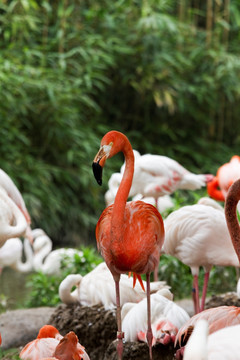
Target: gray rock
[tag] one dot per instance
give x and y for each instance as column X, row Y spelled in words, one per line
column 18, row 327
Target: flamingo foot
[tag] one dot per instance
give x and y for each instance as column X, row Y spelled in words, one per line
column 149, row 341
column 179, row 353
column 120, row 337
column 167, row 338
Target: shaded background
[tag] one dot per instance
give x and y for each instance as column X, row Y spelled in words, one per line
column 166, row 73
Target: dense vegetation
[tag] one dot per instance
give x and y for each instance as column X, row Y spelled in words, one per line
column 166, row 73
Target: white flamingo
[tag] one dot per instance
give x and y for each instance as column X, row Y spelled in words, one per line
column 221, row 345
column 45, row 260
column 166, row 318
column 97, row 287
column 164, row 202
column 198, row 236
column 157, row 175
column 11, row 255
column 12, row 191
column 7, row 184
column 12, row 221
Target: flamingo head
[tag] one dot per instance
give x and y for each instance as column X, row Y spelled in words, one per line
column 112, row 143
column 48, row 331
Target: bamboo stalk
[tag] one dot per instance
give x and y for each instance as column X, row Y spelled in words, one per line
column 181, row 10
column 226, row 18
column 62, row 27
column 209, row 22
column 196, row 7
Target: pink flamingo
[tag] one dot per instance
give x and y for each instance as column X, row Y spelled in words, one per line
column 157, row 175
column 222, row 344
column 50, row 344
column 129, row 235
column 221, row 316
column 198, row 236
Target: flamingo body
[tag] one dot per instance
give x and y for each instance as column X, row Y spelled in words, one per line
column 50, row 344
column 45, row 260
column 97, row 288
column 70, row 349
column 198, row 236
column 217, row 318
column 134, row 253
column 226, row 175
column 12, row 191
column 166, row 318
column 157, row 175
column 43, row 346
column 129, row 235
column 12, row 220
column 221, row 345
column 11, row 255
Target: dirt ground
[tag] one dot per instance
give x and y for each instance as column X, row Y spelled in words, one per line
column 96, row 330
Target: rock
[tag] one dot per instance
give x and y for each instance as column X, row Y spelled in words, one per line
column 18, row 327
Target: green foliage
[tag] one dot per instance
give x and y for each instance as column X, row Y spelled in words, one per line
column 179, row 277
column 70, row 71
column 44, row 288
column 11, row 354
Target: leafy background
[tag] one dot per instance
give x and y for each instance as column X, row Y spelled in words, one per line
column 166, row 73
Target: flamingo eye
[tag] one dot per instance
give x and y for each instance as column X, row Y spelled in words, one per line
column 107, row 149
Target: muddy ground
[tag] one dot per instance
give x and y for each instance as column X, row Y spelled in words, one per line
column 96, row 330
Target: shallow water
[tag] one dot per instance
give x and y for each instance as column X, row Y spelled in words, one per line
column 13, row 291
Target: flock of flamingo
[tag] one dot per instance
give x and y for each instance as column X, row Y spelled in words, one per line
column 131, row 236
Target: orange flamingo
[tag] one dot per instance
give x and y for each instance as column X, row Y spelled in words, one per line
column 50, row 344
column 129, row 235
column 226, row 175
column 43, row 346
column 69, row 348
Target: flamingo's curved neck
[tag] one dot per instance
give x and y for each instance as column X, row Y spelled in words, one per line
column 65, row 290
column 233, row 197
column 38, row 260
column 28, row 264
column 123, row 191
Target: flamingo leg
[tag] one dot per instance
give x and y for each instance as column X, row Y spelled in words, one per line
column 155, row 273
column 149, row 330
column 120, row 334
column 195, row 294
column 204, row 292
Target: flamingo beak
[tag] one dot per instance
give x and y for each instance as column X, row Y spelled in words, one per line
column 99, row 162
column 97, row 171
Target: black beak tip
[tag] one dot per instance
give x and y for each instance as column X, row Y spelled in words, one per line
column 97, row 171
column 99, row 182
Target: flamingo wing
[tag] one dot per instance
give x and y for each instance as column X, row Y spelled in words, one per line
column 38, row 349
column 217, row 318
column 143, row 235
